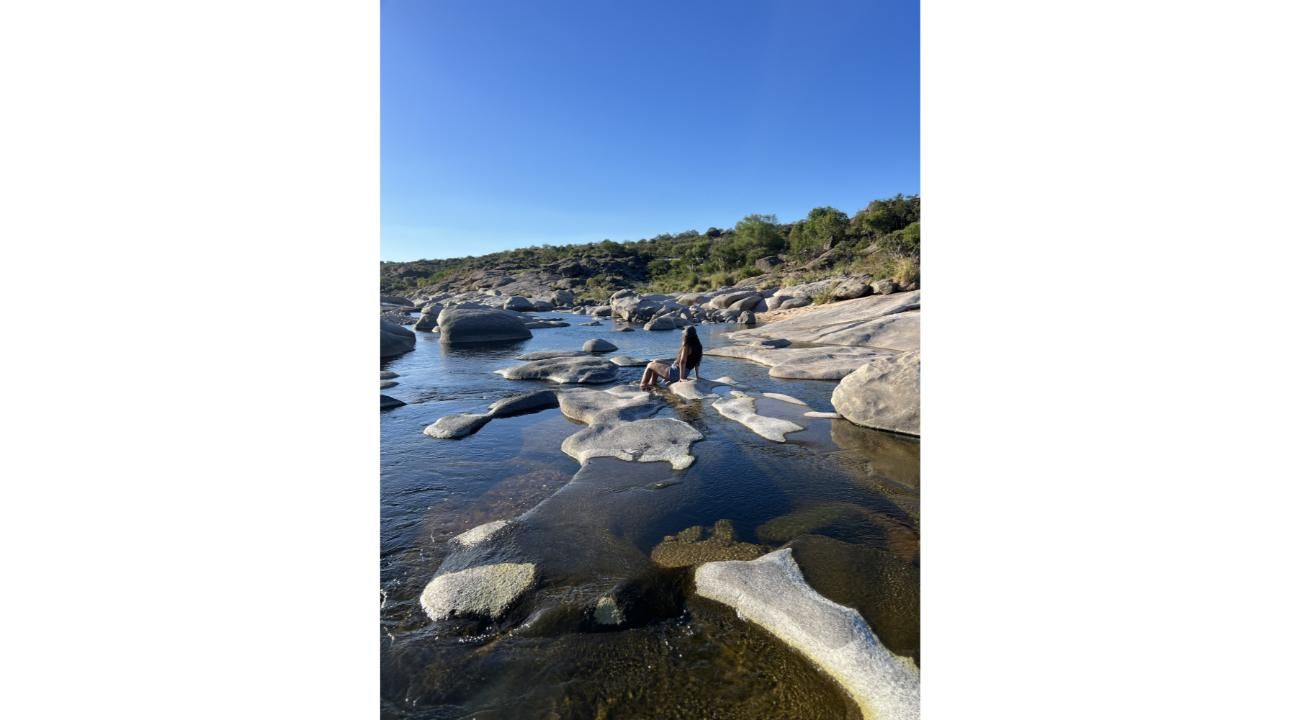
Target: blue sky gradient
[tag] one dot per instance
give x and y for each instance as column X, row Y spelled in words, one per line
column 508, row 124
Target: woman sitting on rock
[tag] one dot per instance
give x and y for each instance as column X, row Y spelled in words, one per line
column 688, row 359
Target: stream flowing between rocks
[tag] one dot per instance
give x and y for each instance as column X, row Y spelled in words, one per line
column 845, row 499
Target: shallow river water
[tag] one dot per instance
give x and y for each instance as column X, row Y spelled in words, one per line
column 844, row 498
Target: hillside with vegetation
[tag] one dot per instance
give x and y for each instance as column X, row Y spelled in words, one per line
column 882, row 240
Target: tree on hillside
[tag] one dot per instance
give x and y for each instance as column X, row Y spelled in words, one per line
column 759, row 234
column 824, row 227
column 885, row 216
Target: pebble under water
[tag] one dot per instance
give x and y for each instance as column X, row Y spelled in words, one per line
column 844, row 498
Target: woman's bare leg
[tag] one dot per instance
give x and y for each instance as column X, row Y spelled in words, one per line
column 653, row 372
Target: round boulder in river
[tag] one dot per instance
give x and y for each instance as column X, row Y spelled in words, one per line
column 486, row 590
column 597, row 345
column 394, row 339
column 476, row 324
column 885, row 394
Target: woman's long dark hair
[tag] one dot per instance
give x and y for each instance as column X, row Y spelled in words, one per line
column 694, row 350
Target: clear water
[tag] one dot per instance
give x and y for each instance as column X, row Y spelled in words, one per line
column 845, row 498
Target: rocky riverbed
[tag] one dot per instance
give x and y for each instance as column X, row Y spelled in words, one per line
column 558, row 543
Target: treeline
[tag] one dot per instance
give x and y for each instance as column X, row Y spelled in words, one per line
column 883, row 240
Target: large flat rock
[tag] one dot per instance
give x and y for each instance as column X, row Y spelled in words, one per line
column 620, row 426
column 772, row 593
column 802, row 363
column 569, row 370
column 850, row 323
column 885, row 394
column 741, row 408
column 650, row 440
column 619, row 403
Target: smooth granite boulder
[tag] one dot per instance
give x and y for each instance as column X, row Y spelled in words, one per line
column 725, row 300
column 885, row 394
column 772, row 593
column 386, row 402
column 884, row 286
column 394, row 339
column 627, row 361
column 663, row 322
column 457, row 426
column 587, row 369
column 830, row 362
column 597, row 345
column 485, row 591
column 849, row 323
column 518, row 304
column 461, row 324
column 549, row 354
column 520, row 404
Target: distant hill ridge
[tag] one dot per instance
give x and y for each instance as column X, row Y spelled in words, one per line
column 883, row 240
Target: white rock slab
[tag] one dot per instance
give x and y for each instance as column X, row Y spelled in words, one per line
column 481, row 534
column 486, row 590
column 772, row 593
column 740, row 408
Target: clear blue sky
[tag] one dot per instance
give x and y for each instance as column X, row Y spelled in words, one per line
column 507, row 124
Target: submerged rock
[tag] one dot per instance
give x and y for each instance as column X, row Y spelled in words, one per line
column 626, row 361
column 457, row 426
column 519, row 404
column 885, row 393
column 785, row 398
column 884, row 588
column 481, row 534
column 741, row 409
column 551, row 354
column 689, row 547
column 772, row 593
column 607, row 611
column 486, row 590
column 585, row 369
column 821, row 414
